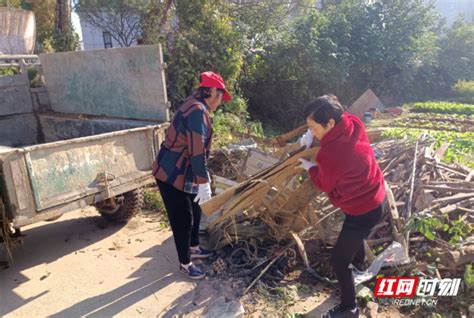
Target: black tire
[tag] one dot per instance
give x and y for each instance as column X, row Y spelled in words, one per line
column 127, row 205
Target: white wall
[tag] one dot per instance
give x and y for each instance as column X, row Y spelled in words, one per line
column 92, row 38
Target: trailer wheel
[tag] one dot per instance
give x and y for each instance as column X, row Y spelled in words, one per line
column 127, row 205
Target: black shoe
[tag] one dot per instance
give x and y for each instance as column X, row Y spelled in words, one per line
column 341, row 312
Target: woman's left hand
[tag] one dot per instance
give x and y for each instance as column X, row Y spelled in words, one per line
column 306, row 164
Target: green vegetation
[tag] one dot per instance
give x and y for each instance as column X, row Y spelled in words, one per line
column 8, row 71
column 432, row 227
column 464, row 91
column 442, row 108
column 435, row 121
column 153, row 206
column 461, row 145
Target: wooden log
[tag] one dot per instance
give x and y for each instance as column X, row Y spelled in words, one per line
column 447, row 168
column 453, row 198
column 456, row 258
column 412, row 186
column 460, row 184
column 453, row 207
column 301, row 249
column 440, row 188
column 441, row 150
column 281, row 140
column 392, row 204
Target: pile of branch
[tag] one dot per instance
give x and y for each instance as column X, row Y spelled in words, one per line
column 226, row 163
column 281, row 207
column 423, row 186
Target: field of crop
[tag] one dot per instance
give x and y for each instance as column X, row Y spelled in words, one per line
column 442, row 108
column 444, row 122
column 461, row 145
column 435, row 121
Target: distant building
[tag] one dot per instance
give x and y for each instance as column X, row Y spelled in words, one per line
column 94, row 38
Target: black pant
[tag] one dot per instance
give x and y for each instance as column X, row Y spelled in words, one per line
column 350, row 249
column 184, row 216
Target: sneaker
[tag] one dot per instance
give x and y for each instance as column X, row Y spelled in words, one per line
column 341, row 312
column 192, row 271
column 201, row 253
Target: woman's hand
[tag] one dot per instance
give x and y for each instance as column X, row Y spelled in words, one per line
column 307, row 139
column 204, row 193
column 305, row 164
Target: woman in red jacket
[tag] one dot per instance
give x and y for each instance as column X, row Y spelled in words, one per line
column 347, row 171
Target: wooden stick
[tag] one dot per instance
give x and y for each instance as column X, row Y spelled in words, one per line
column 301, row 248
column 463, row 184
column 453, row 198
column 453, row 207
column 380, row 240
column 447, row 168
column 412, row 184
column 265, row 269
column 376, row 228
column 282, row 139
column 447, row 189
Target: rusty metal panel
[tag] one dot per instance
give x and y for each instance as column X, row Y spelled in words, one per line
column 18, row 130
column 17, row 31
column 15, row 95
column 17, row 184
column 121, row 82
column 65, row 171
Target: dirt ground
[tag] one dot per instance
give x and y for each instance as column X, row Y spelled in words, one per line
column 79, row 265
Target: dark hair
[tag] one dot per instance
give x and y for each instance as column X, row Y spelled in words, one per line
column 323, row 109
column 205, row 92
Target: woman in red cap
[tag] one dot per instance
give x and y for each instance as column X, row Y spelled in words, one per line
column 181, row 168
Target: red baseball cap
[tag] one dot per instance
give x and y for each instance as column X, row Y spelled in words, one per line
column 211, row 79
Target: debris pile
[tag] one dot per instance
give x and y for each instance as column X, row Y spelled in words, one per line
column 264, row 219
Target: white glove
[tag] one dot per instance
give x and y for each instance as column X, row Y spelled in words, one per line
column 307, row 139
column 306, row 164
column 204, row 193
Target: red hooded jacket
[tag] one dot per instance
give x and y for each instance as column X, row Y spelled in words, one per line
column 347, row 170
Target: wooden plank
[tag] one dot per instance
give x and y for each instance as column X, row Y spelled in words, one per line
column 256, row 161
column 215, row 203
column 17, row 185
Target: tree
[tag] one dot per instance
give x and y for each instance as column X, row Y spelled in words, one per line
column 65, row 38
column 155, row 18
column 120, row 18
column 204, row 40
column 45, row 13
column 344, row 49
column 456, row 57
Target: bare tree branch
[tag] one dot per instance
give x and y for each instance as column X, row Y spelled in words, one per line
column 120, row 20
